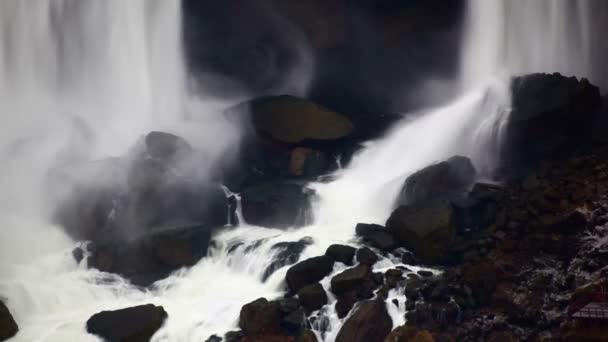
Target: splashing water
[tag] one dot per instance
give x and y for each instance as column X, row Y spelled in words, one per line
column 114, row 68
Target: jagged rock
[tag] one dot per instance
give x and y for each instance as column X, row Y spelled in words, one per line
column 376, row 235
column 260, row 317
column 366, row 256
column 8, row 326
column 152, row 256
column 426, row 228
column 135, row 324
column 277, row 204
column 289, row 254
column 341, row 253
column 446, row 180
column 550, row 113
column 369, row 323
column 312, row 297
column 308, row 272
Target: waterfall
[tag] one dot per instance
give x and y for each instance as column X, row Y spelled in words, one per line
column 82, row 79
column 521, row 36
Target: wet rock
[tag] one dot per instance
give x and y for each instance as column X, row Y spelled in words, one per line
column 564, row 223
column 351, row 279
column 550, row 114
column 294, row 322
column 308, row 272
column 289, row 253
column 312, row 297
column 409, row 334
column 307, row 336
column 290, row 119
column 214, row 338
column 394, row 277
column 376, row 235
column 260, row 317
column 369, row 323
column 306, row 162
column 151, row 256
column 234, row 336
column 341, row 253
column 425, row 274
column 426, row 228
column 345, row 303
column 134, row 324
column 166, row 147
column 277, row 204
column 366, row 256
column 446, row 180
column 8, row 326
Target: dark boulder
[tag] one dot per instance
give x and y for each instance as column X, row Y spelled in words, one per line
column 446, row 180
column 288, row 254
column 277, row 204
column 308, row 163
column 369, row 323
column 166, row 147
column 366, row 256
column 352, row 279
column 291, row 120
column 308, row 272
column 550, row 113
column 260, row 317
column 409, row 334
column 426, row 228
column 312, row 297
column 341, row 253
column 152, row 256
column 135, row 324
column 376, row 235
column 8, row 326
column 346, row 301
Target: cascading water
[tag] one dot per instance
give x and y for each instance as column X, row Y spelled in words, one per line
column 521, row 36
column 102, row 73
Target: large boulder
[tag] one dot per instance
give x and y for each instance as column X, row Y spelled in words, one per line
column 288, row 253
column 448, row 179
column 376, row 235
column 312, row 297
column 426, row 228
column 135, row 324
column 307, row 272
column 290, row 119
column 369, row 323
column 279, row 204
column 341, row 253
column 8, row 326
column 550, row 113
column 152, row 187
column 152, row 256
column 260, row 317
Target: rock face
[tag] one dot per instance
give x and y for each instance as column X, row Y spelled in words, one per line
column 136, row 324
column 8, row 326
column 445, row 180
column 151, row 256
column 277, row 204
column 291, row 120
column 307, row 272
column 426, row 228
column 369, row 323
column 550, row 112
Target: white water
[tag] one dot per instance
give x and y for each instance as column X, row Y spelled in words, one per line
column 117, row 68
column 523, row 36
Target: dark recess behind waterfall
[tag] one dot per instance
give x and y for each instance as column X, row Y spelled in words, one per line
column 367, row 53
